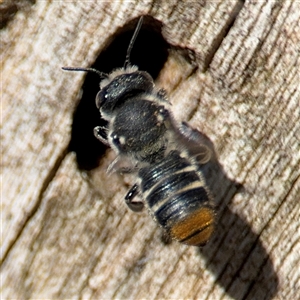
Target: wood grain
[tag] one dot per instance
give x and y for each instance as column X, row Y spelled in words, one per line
column 231, row 71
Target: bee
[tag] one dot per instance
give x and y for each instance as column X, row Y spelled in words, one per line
column 168, row 158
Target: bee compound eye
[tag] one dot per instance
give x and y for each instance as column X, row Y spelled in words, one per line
column 98, row 100
column 101, row 98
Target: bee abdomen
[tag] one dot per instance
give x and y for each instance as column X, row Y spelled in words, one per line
column 153, row 174
column 179, row 199
column 187, row 216
column 194, row 229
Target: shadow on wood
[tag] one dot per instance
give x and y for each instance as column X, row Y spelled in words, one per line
column 235, row 255
column 244, row 260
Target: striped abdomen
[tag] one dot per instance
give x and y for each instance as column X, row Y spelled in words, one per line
column 178, row 199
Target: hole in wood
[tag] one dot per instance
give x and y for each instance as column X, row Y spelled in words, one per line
column 149, row 53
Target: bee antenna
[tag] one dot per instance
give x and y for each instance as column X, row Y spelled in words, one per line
column 135, row 34
column 101, row 74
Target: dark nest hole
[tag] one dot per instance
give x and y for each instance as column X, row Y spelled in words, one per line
column 149, row 53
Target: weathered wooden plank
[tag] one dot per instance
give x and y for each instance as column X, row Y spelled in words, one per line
column 68, row 234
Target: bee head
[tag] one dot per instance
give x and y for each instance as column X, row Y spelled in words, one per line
column 120, row 86
column 121, row 83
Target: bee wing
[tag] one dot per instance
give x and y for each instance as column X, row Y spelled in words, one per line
column 197, row 143
column 122, row 165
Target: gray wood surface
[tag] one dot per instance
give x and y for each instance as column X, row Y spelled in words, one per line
column 232, row 72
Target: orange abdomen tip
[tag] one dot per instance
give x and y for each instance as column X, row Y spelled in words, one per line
column 196, row 228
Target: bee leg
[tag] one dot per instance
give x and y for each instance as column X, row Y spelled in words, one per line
column 100, row 134
column 162, row 95
column 134, row 206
